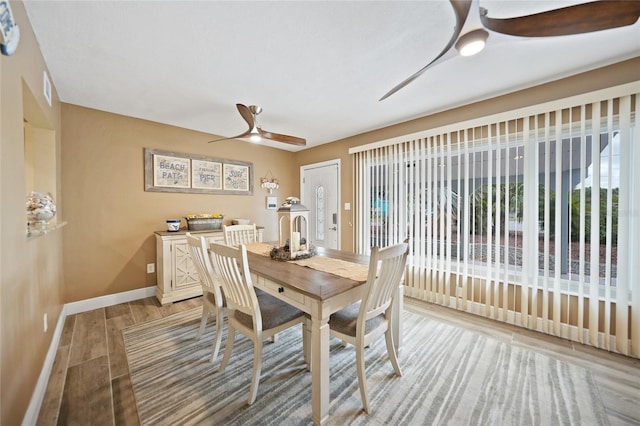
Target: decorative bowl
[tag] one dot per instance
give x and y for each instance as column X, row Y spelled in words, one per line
column 40, row 207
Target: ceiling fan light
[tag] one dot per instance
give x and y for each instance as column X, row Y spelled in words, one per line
column 472, row 42
column 255, row 137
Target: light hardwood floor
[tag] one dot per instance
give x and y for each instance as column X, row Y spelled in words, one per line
column 90, row 382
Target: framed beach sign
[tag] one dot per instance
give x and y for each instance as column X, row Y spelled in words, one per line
column 171, row 172
column 236, row 177
column 206, row 174
column 167, row 171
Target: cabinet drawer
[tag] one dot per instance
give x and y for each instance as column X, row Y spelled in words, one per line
column 218, row 239
column 281, row 292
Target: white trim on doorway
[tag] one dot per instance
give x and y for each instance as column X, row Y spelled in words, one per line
column 334, row 162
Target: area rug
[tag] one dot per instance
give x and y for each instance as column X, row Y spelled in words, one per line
column 451, row 376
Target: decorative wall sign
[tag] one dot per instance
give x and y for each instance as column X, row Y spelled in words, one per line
column 206, row 174
column 171, row 172
column 9, row 30
column 166, row 171
column 236, row 177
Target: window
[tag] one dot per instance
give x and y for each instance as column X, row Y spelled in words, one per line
column 524, row 219
column 320, row 213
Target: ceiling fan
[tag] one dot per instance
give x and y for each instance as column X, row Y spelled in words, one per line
column 255, row 133
column 470, row 31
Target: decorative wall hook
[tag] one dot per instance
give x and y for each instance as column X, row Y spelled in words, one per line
column 269, row 182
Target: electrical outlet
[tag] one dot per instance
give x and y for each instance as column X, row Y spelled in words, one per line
column 46, row 323
column 151, row 268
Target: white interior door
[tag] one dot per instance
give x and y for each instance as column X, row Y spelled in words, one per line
column 320, row 192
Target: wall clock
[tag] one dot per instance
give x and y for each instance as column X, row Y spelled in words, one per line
column 9, row 30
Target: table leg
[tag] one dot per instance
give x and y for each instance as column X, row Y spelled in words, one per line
column 306, row 342
column 320, row 369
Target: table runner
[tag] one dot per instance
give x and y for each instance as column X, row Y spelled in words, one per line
column 262, row 249
column 341, row 268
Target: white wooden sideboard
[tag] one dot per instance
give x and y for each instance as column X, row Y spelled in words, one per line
column 177, row 276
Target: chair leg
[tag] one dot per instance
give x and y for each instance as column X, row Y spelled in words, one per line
column 391, row 350
column 203, row 322
column 257, row 368
column 218, row 339
column 231, row 337
column 362, row 380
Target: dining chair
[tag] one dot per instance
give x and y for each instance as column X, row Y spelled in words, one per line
column 235, row 235
column 257, row 315
column 363, row 322
column 213, row 301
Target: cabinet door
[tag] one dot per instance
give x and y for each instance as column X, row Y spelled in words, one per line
column 184, row 269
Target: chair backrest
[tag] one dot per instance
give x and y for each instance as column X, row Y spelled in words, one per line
column 234, row 235
column 233, row 268
column 208, row 276
column 386, row 267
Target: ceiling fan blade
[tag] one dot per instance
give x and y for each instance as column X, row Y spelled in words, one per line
column 244, row 135
column 461, row 9
column 576, row 19
column 282, row 138
column 248, row 116
column 443, row 56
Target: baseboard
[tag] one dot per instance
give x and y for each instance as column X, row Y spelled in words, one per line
column 31, row 416
column 108, row 300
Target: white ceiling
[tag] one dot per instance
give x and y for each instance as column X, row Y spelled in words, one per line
column 317, row 68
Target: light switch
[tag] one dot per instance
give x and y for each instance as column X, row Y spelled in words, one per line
column 347, row 206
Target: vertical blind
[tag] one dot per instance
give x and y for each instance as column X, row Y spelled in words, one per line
column 530, row 217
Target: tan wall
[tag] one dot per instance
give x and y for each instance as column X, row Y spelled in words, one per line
column 621, row 73
column 30, row 268
column 109, row 237
column 111, row 219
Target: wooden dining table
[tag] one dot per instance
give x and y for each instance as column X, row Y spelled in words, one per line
column 319, row 294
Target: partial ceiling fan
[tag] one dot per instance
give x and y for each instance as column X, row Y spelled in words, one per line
column 255, row 133
column 472, row 22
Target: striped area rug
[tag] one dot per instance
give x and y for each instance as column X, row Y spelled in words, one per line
column 451, row 376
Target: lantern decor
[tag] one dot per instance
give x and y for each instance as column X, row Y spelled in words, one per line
column 269, row 182
column 293, row 225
